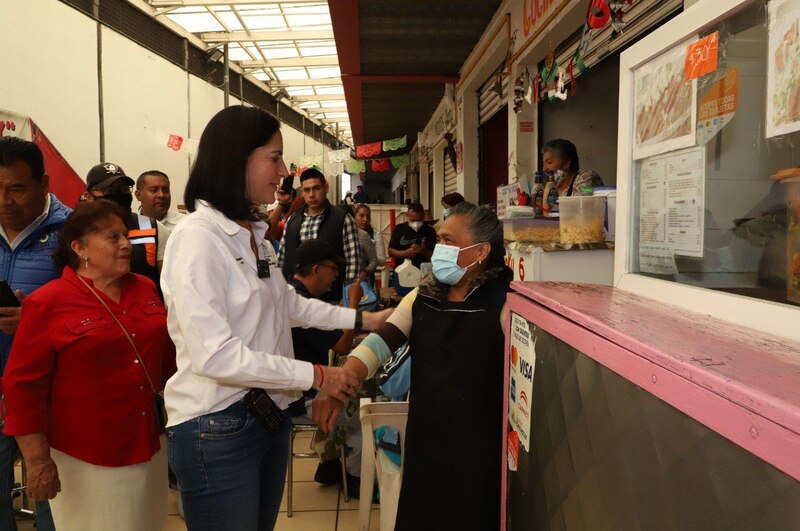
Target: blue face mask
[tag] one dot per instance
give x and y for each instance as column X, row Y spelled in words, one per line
column 445, row 213
column 445, row 263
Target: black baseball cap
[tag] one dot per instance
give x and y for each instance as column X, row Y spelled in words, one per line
column 104, row 175
column 312, row 252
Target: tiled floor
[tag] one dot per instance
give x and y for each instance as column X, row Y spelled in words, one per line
column 315, row 507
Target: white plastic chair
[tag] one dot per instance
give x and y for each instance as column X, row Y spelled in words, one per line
column 374, row 415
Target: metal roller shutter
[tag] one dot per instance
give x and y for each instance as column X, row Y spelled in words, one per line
column 639, row 18
column 489, row 101
column 450, row 176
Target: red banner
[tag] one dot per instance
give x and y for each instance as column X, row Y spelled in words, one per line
column 369, row 150
column 64, row 182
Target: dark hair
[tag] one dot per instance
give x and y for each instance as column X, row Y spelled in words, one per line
column 452, row 199
column 142, row 178
column 485, row 227
column 416, row 207
column 219, row 172
column 13, row 149
column 363, row 206
column 564, row 150
column 312, row 173
column 87, row 218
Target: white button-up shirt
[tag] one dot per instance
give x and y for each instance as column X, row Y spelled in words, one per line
column 232, row 330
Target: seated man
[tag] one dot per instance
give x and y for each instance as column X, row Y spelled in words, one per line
column 317, row 266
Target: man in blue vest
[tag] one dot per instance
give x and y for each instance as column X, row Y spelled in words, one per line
column 30, row 221
column 320, row 219
column 148, row 236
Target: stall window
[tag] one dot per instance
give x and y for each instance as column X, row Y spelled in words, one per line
column 715, row 139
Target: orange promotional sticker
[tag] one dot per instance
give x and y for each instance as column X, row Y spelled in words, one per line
column 718, row 106
column 702, row 56
column 513, row 451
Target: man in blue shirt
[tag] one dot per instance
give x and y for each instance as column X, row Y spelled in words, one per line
column 30, row 221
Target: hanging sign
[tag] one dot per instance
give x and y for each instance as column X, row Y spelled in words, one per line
column 702, row 56
column 718, row 106
column 534, row 13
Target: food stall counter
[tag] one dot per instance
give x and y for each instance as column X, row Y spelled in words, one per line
column 624, row 412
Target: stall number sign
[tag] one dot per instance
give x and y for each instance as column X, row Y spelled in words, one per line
column 517, row 264
column 701, row 56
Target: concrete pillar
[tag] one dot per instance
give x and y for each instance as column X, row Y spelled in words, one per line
column 468, row 124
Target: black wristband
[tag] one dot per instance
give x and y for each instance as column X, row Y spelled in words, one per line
column 359, row 323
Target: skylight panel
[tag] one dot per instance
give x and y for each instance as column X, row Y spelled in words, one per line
column 324, row 71
column 259, row 23
column 196, row 22
column 290, row 73
column 330, row 90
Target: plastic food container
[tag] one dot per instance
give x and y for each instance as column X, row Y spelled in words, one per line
column 791, row 178
column 582, row 218
column 531, row 230
column 514, row 212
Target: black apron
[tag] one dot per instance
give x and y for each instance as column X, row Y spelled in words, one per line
column 452, row 455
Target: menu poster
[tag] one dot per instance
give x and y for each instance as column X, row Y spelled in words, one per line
column 783, row 68
column 665, row 105
column 672, row 209
column 520, row 386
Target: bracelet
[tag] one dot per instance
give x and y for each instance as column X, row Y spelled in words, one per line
column 359, row 322
column 321, row 374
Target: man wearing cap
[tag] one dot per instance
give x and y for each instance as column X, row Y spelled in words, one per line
column 317, row 267
column 148, row 236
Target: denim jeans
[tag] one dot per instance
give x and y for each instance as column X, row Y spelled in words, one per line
column 8, row 454
column 231, row 471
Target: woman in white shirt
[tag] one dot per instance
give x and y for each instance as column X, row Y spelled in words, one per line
column 230, row 313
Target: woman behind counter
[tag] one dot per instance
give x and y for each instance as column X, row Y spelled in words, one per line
column 562, row 155
column 451, row 474
column 79, row 396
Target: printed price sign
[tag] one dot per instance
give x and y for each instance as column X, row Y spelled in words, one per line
column 701, row 56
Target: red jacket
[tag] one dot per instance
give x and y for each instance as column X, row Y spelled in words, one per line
column 73, row 374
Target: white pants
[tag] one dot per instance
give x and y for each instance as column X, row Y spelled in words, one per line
column 100, row 498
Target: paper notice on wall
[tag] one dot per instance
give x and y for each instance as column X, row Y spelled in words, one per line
column 523, row 359
column 672, row 209
column 686, row 201
column 657, row 259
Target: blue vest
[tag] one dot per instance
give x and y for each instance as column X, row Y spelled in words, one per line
column 31, row 264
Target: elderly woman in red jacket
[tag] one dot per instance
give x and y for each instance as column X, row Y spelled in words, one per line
column 89, row 357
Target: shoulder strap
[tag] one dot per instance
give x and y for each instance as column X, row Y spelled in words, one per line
column 127, row 335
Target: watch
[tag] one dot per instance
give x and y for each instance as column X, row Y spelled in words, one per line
column 359, row 322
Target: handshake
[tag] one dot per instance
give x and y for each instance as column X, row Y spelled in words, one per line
column 337, row 384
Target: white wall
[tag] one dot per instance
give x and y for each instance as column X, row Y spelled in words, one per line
column 49, row 68
column 50, row 73
column 136, row 133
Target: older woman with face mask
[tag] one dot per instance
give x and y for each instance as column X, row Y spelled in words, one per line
column 90, row 355
column 561, row 156
column 453, row 324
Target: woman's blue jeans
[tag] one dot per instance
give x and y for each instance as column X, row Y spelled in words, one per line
column 231, row 471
